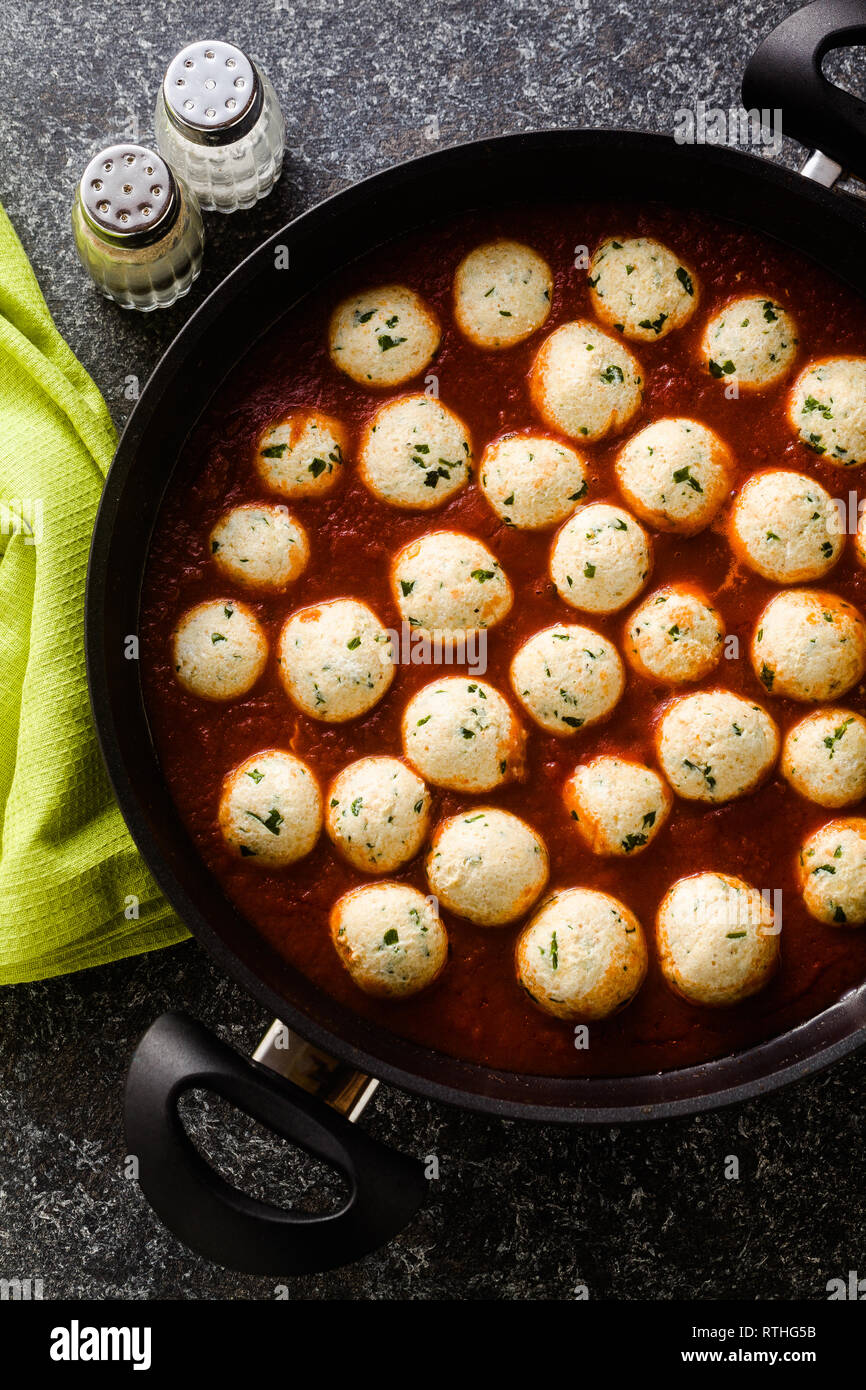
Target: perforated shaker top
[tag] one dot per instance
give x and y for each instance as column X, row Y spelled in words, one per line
column 128, row 193
column 212, row 92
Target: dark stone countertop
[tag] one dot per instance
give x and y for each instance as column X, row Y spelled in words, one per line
column 519, row 1212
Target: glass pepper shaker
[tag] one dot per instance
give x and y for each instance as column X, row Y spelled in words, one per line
column 218, row 123
column 138, row 229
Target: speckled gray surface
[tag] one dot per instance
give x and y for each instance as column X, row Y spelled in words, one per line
column 518, row 1212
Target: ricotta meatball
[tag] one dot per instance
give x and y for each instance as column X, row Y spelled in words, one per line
column 260, row 546
column 583, row 955
column 415, row 453
column 501, row 293
column 600, row 559
column 567, row 677
column 271, row 809
column 674, row 636
column 383, row 336
column 487, row 865
column 390, row 938
column 715, row 746
column 335, row 659
column 809, row 645
column 824, row 757
column 219, row 649
column 641, row 288
column 585, row 383
column 860, row 541
column 717, row 939
column 752, row 340
column 786, row 527
column 377, row 814
column 531, row 481
column 448, row 582
column 827, row 409
column 832, row 873
column 462, row 734
column 675, row 474
column 302, row 455
column 618, row 806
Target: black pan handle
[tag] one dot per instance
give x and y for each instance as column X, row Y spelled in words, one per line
column 176, row 1055
column 785, row 74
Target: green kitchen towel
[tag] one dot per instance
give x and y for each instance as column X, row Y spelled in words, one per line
column 73, row 890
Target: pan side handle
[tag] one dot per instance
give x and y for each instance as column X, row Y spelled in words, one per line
column 785, row 74
column 177, row 1055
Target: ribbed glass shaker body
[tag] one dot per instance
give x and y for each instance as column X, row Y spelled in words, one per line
column 218, row 124
column 138, row 230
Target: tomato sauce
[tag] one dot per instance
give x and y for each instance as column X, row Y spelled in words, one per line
column 476, row 1010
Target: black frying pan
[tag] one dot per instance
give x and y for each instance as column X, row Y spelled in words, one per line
column 177, row 1055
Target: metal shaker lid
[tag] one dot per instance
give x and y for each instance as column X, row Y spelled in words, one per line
column 128, row 194
column 212, row 92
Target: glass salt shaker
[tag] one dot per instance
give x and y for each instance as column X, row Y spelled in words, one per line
column 218, row 123
column 138, row 229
